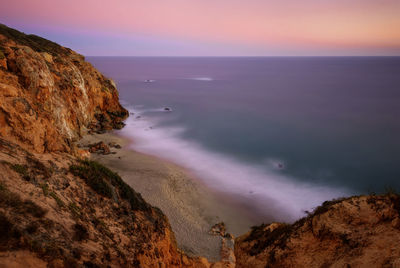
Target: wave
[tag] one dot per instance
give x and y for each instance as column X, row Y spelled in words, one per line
column 202, row 78
column 272, row 194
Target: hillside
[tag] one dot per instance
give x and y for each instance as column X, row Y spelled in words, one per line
column 57, row 210
column 362, row 231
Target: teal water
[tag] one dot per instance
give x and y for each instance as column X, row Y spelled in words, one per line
column 326, row 125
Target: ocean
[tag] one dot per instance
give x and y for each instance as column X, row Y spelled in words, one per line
column 281, row 133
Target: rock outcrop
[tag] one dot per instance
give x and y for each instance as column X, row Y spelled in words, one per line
column 55, row 209
column 359, row 231
column 50, row 96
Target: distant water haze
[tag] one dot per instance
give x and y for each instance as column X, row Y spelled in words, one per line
column 282, row 134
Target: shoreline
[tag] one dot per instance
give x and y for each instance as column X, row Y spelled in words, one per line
column 191, row 207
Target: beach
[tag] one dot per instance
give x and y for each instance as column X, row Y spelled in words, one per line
column 191, row 208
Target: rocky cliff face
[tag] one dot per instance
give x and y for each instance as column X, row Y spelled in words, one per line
column 60, row 212
column 352, row 232
column 50, row 96
column 57, row 210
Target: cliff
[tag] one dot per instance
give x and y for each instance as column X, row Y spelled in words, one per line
column 58, row 210
column 361, row 231
column 55, row 209
column 50, row 96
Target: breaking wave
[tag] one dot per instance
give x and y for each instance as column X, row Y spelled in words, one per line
column 262, row 187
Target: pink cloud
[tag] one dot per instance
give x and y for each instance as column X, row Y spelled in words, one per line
column 287, row 23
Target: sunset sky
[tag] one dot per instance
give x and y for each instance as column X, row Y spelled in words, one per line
column 212, row 27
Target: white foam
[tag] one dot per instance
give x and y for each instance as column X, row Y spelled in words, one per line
column 203, row 78
column 264, row 189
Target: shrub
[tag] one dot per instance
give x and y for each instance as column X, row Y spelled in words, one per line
column 94, row 177
column 100, row 179
column 60, row 203
column 75, row 210
column 21, row 169
column 45, row 188
column 276, row 238
column 37, row 43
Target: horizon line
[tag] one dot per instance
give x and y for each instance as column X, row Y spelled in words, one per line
column 236, row 56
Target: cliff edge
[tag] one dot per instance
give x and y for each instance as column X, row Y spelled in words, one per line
column 56, row 209
column 50, row 96
column 362, row 231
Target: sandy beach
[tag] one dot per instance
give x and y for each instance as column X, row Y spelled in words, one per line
column 191, row 207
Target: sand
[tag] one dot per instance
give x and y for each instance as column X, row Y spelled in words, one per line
column 190, row 206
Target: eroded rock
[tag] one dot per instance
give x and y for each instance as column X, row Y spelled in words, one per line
column 50, row 96
column 100, row 148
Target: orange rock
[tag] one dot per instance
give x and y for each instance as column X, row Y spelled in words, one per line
column 50, row 96
column 352, row 232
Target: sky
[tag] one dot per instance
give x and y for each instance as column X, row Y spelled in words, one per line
column 212, row 27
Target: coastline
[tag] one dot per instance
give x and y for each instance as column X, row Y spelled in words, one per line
column 191, row 208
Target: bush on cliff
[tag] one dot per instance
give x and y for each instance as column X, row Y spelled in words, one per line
column 37, row 43
column 108, row 183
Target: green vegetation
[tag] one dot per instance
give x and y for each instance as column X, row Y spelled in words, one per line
column 264, row 238
column 108, row 183
column 60, row 203
column 279, row 237
column 326, row 206
column 75, row 210
column 21, row 169
column 37, row 43
column 45, row 188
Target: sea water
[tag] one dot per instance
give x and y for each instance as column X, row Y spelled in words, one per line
column 282, row 133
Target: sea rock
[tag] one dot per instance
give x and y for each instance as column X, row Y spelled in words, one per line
column 114, row 145
column 218, row 229
column 100, row 148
